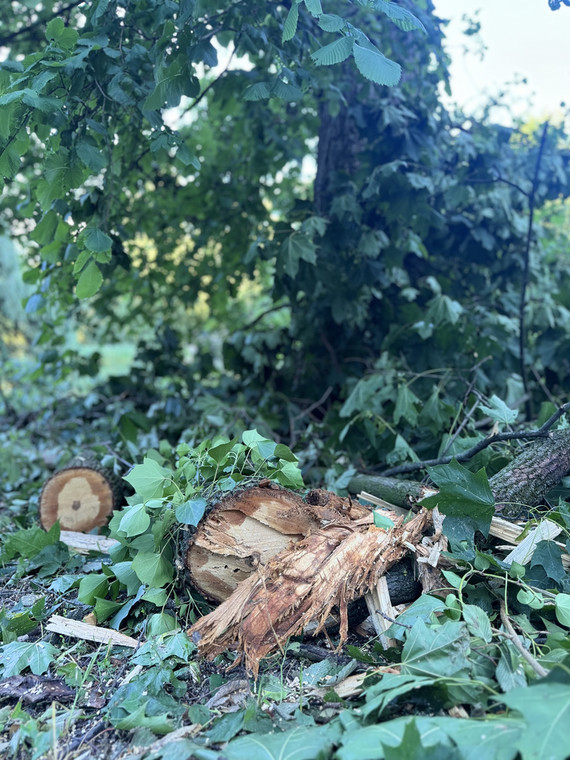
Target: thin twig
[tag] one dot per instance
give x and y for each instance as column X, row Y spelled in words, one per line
column 512, row 637
column 43, row 20
column 497, row 438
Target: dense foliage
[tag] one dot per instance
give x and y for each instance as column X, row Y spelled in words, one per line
column 253, row 215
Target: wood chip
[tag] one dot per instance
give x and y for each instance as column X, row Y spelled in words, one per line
column 379, row 604
column 510, row 532
column 83, row 543
column 79, row 630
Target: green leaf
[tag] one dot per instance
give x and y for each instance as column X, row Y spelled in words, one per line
column 375, row 66
column 562, row 609
column 9, row 161
column 257, row 91
column 475, row 739
column 437, row 651
column 499, row 411
column 461, row 492
column 89, row 282
column 148, row 479
column 301, row 743
column 161, row 622
column 422, row 609
column 399, row 15
column 251, row 437
column 545, row 704
column 286, row 91
column 295, row 248
column 381, row 521
column 530, row 598
column 289, row 475
column 19, row 655
column 158, row 724
column 284, row 452
column 62, row 35
column 549, row 556
column 478, row 622
column 135, row 520
column 124, row 572
column 443, row 310
column 290, row 25
column 191, row 512
column 221, row 450
column 91, row 155
column 153, row 569
column 405, row 406
column 91, row 587
column 335, row 52
column 330, row 22
column 314, row 7
column 96, row 240
column 30, row 542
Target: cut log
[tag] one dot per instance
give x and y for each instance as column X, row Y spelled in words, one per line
column 246, row 528
column 81, row 496
column 329, row 568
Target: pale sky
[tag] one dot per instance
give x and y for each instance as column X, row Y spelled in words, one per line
column 524, row 38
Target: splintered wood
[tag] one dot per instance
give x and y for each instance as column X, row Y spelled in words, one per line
column 330, row 567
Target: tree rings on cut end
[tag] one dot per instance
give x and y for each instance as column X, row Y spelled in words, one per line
column 81, row 498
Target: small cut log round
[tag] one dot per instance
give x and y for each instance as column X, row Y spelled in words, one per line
column 81, row 496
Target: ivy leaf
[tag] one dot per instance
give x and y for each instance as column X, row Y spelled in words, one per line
column 89, row 282
column 158, row 724
column 549, row 556
column 148, row 479
column 135, row 520
column 191, row 512
column 153, row 569
column 301, row 743
column 220, row 452
column 289, row 475
column 375, row 66
column 562, row 609
column 335, row 52
column 478, row 622
column 28, row 542
column 91, row 587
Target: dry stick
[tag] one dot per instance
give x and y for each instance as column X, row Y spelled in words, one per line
column 512, row 636
column 526, row 267
column 497, row 438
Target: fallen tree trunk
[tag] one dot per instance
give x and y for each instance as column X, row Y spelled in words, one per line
column 331, row 567
column 286, row 562
column 524, row 482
